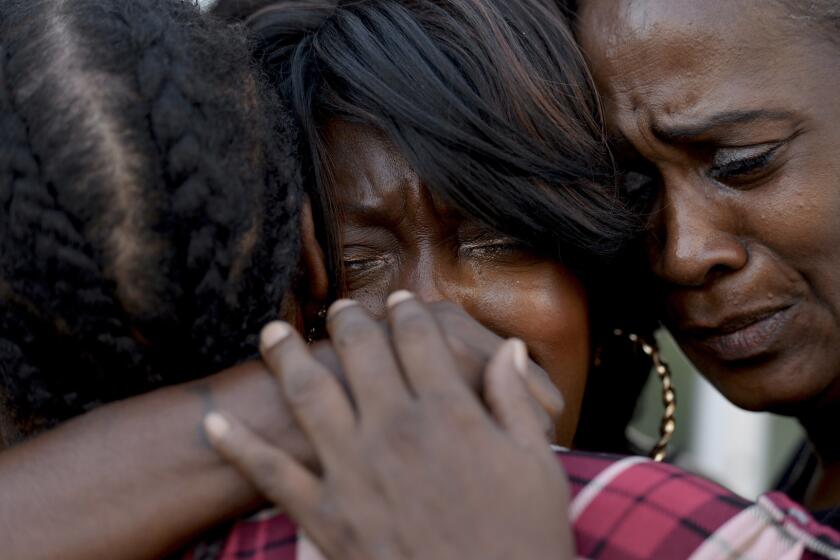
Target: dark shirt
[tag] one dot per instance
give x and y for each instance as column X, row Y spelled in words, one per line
column 798, row 477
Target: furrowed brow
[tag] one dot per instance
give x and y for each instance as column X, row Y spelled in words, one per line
column 691, row 131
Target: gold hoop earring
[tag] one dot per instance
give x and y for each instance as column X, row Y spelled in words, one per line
column 669, row 396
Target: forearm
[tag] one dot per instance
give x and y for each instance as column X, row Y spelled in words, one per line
column 136, row 479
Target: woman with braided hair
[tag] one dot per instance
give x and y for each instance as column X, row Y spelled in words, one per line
column 149, row 183
column 149, row 225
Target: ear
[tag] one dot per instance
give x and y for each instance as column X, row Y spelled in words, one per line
column 313, row 285
column 317, row 284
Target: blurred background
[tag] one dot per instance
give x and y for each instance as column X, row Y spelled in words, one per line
column 744, row 451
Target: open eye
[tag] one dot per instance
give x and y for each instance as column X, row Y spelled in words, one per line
column 742, row 163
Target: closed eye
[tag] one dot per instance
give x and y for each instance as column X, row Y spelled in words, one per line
column 742, row 164
column 362, row 264
column 490, row 246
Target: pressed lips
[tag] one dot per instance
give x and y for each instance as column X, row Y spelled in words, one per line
column 742, row 337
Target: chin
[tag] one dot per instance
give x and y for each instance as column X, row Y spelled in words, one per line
column 784, row 405
column 773, row 387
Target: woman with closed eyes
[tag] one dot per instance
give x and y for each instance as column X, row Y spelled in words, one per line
column 726, row 118
column 489, row 188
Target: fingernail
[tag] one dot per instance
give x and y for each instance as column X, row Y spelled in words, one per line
column 216, row 425
column 520, row 356
column 340, row 305
column 398, row 297
column 273, row 333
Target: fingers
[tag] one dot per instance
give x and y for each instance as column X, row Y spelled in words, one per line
column 547, row 396
column 274, row 473
column 426, row 358
column 306, row 549
column 507, row 395
column 473, row 345
column 315, row 397
column 367, row 359
column 471, row 342
column 324, row 352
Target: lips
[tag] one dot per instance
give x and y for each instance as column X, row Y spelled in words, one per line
column 742, row 337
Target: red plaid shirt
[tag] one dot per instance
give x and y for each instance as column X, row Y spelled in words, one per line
column 622, row 508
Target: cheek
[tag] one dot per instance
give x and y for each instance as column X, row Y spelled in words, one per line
column 797, row 220
column 545, row 306
column 800, row 212
column 372, row 288
column 372, row 297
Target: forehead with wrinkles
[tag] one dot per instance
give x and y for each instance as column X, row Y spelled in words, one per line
column 676, row 57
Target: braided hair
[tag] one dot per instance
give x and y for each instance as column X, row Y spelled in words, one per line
column 149, row 195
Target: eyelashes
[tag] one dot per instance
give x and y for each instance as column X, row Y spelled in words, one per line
column 740, row 163
column 488, row 245
column 737, row 166
column 484, row 248
column 360, row 265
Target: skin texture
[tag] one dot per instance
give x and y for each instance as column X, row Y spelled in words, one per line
column 397, row 236
column 390, row 465
column 728, row 116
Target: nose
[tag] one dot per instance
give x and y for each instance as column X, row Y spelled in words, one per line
column 695, row 240
column 424, row 286
column 430, row 279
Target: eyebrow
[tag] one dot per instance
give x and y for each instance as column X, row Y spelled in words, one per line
column 357, row 211
column 373, row 213
column 684, row 132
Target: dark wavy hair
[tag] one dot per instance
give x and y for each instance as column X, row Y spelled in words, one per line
column 491, row 103
column 488, row 100
column 149, row 195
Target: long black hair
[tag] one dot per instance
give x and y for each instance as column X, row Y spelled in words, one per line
column 492, row 105
column 149, row 196
column 487, row 100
